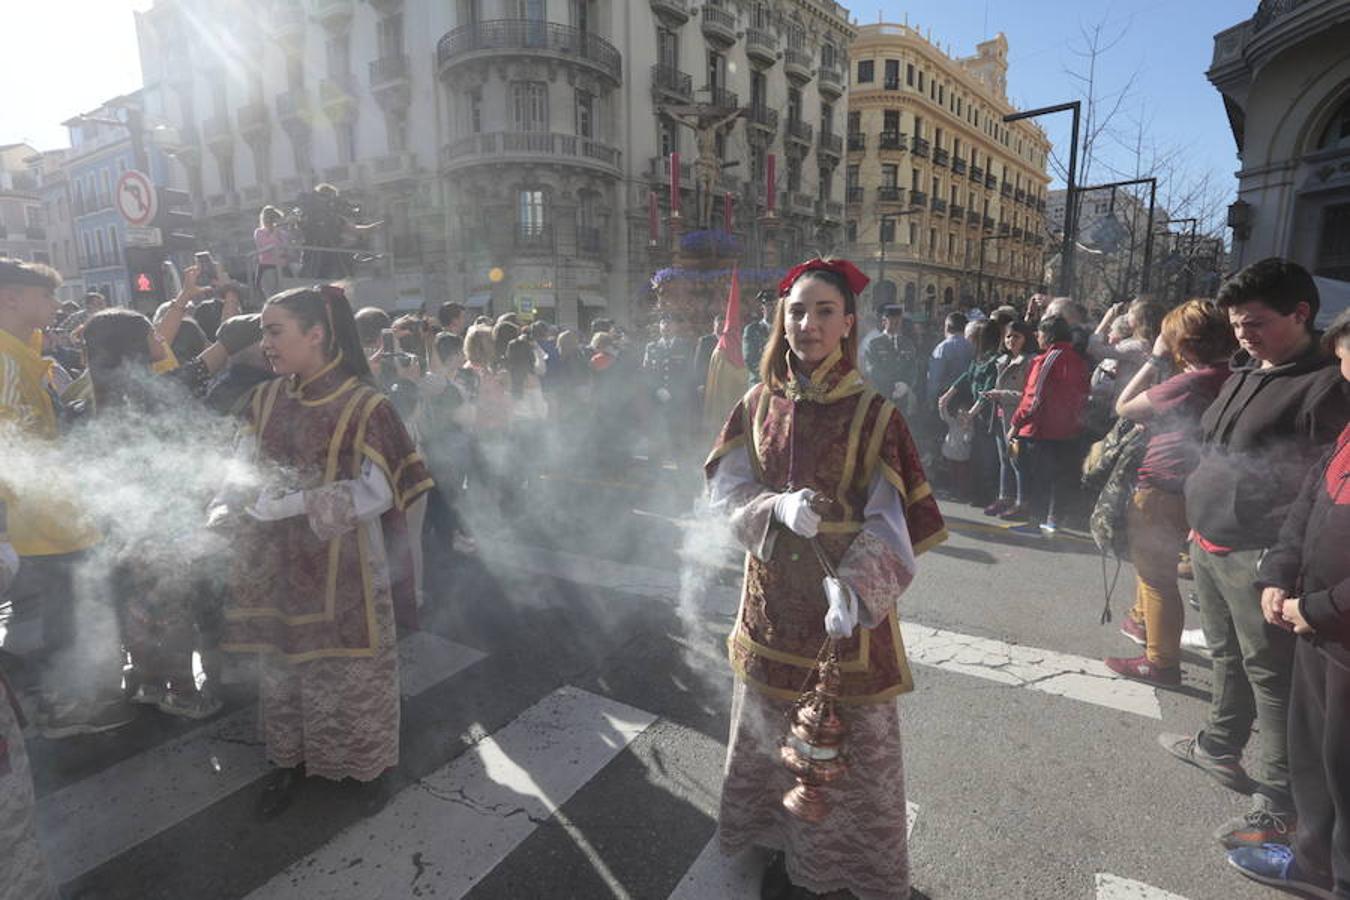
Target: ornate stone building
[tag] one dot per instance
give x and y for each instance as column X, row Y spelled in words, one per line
column 946, row 202
column 1284, row 75
column 512, row 146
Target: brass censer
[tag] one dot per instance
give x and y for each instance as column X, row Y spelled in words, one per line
column 813, row 748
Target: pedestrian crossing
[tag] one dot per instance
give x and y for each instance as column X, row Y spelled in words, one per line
column 447, row 831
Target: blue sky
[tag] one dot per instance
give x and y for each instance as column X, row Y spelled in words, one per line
column 1165, row 44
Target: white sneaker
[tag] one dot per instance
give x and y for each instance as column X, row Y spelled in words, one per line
column 1194, row 639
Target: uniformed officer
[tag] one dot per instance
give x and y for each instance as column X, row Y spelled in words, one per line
column 756, row 334
column 668, row 364
column 891, row 362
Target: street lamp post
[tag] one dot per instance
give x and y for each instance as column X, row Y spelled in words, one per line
column 1070, row 204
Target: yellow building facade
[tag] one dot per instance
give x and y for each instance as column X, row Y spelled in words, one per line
column 945, row 202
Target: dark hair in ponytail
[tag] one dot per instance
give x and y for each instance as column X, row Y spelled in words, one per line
column 326, row 305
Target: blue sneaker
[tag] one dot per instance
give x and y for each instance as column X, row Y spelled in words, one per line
column 1274, row 864
column 1030, row 529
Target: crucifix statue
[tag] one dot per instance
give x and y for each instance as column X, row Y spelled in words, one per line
column 707, row 122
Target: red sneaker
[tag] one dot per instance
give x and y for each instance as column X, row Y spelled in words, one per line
column 1139, row 668
column 1134, row 630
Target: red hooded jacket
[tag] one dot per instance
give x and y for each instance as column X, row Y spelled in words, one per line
column 1055, row 396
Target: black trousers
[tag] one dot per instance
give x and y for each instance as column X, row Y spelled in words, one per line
column 1319, row 766
column 1048, row 473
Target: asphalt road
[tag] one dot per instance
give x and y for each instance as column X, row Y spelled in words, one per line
column 585, row 611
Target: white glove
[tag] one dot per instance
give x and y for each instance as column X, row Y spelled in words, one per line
column 663, row 395
column 269, row 508
column 842, row 617
column 794, row 510
column 9, row 565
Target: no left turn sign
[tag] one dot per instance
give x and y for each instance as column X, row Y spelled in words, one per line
column 137, row 200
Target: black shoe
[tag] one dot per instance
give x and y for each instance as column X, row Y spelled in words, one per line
column 280, row 791
column 776, row 885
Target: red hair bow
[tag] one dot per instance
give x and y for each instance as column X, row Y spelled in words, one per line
column 857, row 281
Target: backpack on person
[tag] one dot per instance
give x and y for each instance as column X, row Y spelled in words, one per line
column 1112, row 475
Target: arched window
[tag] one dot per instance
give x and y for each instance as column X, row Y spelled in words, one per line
column 948, row 297
column 1337, row 133
column 910, row 296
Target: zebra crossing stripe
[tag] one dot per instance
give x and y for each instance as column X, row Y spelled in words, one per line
column 1113, row 887
column 449, row 830
column 98, row 818
column 1047, row 671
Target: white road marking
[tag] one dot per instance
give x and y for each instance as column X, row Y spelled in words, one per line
column 98, row 818
column 1113, row 887
column 1047, row 671
column 737, row 877
column 1061, row 674
column 449, row 830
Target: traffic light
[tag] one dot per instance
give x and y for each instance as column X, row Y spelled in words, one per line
column 175, row 220
column 145, row 270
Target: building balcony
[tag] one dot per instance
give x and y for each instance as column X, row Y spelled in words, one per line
column 534, row 239
column 918, row 198
column 293, row 108
column 764, row 119
column 990, row 181
column 504, row 148
column 831, row 145
column 393, row 167
column 938, row 205
column 500, row 38
column 722, row 98
column 389, row 81
column 973, row 220
column 857, row 142
column 1019, row 196
column 1040, row 204
column 337, row 95
column 216, row 131
column 797, row 65
column 1016, row 233
column 957, row 212
column 921, row 146
column 988, row 223
column 253, row 120
column 801, row 204
column 853, row 195
column 670, row 84
column 675, row 12
column 892, row 140
column 761, row 45
column 334, row 15
column 287, row 20
column 830, row 211
column 1006, row 189
column 941, row 157
column 958, row 166
column 890, row 193
column 830, row 82
column 977, row 174
column 719, row 25
column 1004, row 229
column 800, row 133
column 892, row 84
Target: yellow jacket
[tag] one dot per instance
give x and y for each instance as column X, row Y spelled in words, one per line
column 45, row 523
